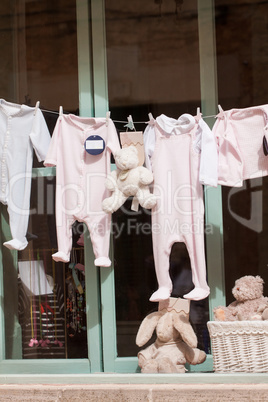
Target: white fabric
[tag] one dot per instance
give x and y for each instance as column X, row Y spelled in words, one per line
column 172, row 126
column 149, row 144
column 204, row 143
column 22, row 129
column 208, row 172
column 33, row 278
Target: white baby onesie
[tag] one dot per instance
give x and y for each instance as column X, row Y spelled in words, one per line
column 22, row 129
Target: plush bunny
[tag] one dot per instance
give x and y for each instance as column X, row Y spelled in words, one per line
column 250, row 304
column 176, row 341
column 127, row 180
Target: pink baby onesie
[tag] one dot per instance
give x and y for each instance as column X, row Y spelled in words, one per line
column 179, row 213
column 80, row 178
column 239, row 134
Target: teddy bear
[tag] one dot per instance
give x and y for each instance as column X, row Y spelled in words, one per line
column 176, row 342
column 250, row 304
column 129, row 179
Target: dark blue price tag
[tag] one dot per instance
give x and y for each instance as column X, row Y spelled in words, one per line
column 94, row 145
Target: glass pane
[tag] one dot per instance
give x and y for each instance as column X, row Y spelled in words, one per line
column 242, row 51
column 39, row 41
column 45, row 315
column 51, row 312
column 153, row 67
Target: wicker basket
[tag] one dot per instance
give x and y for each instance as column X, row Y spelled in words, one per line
column 239, row 346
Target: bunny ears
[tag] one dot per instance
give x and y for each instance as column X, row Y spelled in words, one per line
column 178, row 311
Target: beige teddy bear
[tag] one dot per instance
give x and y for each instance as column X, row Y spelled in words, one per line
column 176, row 341
column 127, row 180
column 250, row 304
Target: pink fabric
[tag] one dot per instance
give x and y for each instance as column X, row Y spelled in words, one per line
column 134, row 138
column 239, row 134
column 179, row 213
column 80, row 181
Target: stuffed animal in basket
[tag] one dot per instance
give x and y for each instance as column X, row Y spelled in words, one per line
column 176, row 341
column 129, row 179
column 250, row 304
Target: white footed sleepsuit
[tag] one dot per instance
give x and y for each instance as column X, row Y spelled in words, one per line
column 22, row 129
column 173, row 149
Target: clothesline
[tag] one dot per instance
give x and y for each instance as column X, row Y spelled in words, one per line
column 144, row 122
column 116, row 121
column 124, row 121
column 49, row 111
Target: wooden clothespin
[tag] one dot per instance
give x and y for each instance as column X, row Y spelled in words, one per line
column 130, row 123
column 151, row 119
column 108, row 114
column 60, row 111
column 36, row 107
column 198, row 114
column 221, row 114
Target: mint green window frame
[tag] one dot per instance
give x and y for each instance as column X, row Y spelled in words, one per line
column 103, row 365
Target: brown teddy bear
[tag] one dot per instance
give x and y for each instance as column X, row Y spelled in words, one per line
column 250, row 303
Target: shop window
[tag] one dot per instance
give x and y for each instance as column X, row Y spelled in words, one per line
column 242, row 82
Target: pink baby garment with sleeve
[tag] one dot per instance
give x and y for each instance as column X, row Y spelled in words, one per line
column 239, row 134
column 80, row 179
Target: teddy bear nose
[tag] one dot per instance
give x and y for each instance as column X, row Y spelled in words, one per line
column 237, row 288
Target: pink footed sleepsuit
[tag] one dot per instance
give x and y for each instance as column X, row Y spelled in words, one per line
column 80, row 179
column 239, row 133
column 174, row 149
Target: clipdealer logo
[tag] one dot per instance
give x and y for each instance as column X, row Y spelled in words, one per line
column 179, row 200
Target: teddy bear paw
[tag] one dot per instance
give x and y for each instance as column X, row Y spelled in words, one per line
column 265, row 314
column 151, row 366
column 165, row 365
column 149, row 202
column 219, row 314
column 110, row 183
column 202, row 357
column 108, row 206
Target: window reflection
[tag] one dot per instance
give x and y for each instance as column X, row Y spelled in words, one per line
column 51, row 296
